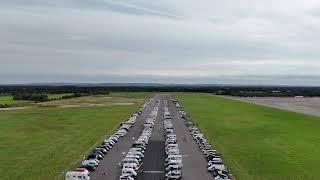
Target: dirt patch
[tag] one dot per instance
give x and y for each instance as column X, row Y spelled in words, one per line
column 13, row 108
column 94, row 105
column 69, row 106
column 124, row 104
column 91, row 101
column 97, row 105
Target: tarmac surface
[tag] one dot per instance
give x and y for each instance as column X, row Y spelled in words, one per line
column 153, row 164
column 306, row 105
column 194, row 162
column 109, row 168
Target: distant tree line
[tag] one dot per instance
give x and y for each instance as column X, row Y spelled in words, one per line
column 279, row 91
column 51, row 89
column 40, row 93
column 44, row 97
column 30, row 97
column 72, row 96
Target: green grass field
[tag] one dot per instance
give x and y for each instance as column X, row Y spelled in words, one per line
column 9, row 100
column 57, row 96
column 41, row 142
column 257, row 142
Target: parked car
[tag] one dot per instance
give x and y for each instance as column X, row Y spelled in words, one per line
column 94, row 156
column 90, row 162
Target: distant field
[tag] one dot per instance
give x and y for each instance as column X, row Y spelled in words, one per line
column 9, row 100
column 57, row 96
column 140, row 95
column 257, row 142
column 41, row 142
column 89, row 101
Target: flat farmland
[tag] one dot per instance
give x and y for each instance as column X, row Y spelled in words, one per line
column 58, row 96
column 41, row 142
column 307, row 105
column 9, row 100
column 138, row 95
column 258, row 142
column 89, row 101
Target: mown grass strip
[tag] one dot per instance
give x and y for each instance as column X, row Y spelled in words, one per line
column 40, row 143
column 257, row 142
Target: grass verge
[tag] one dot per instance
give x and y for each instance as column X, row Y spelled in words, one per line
column 257, row 142
column 40, row 143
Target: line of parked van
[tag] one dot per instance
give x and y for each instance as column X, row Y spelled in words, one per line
column 132, row 161
column 215, row 163
column 174, row 159
column 92, row 161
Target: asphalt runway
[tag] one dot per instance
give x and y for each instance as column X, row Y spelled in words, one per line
column 109, row 168
column 153, row 162
column 194, row 162
column 306, row 105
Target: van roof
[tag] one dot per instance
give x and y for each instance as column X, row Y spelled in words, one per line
column 76, row 173
column 80, row 170
column 129, row 159
column 177, row 155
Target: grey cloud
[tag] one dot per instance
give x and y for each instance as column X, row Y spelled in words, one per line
column 177, row 38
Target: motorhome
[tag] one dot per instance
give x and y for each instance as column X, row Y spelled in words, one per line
column 78, row 174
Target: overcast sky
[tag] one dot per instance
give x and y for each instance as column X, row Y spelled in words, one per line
column 167, row 41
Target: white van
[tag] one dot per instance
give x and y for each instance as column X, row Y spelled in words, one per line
column 174, row 167
column 173, row 162
column 174, row 158
column 78, row 174
column 171, row 136
column 130, row 160
column 130, row 165
column 172, row 146
column 126, row 177
column 173, row 152
column 133, row 156
column 130, row 171
column 136, row 150
column 137, row 153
